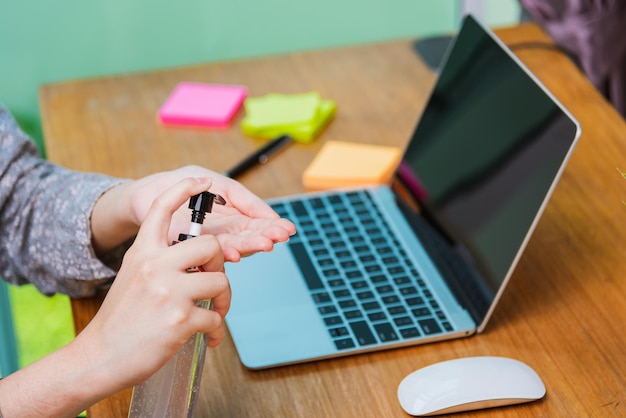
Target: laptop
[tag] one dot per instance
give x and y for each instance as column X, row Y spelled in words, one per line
column 426, row 257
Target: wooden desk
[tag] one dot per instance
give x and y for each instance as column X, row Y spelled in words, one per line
column 563, row 313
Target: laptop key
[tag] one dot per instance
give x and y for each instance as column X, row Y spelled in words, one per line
column 320, row 252
column 429, row 326
column 396, row 310
column 374, row 268
column 299, row 208
column 409, row 333
column 333, row 320
column 342, row 254
column 402, row 280
column 415, row 301
column 322, row 297
column 328, row 309
column 344, row 344
column 330, row 272
column 369, row 306
column 316, row 242
column 403, row 321
column 384, row 289
column 353, row 314
column 385, row 332
column 333, row 234
column 326, row 262
column 336, row 283
column 390, row 260
column 308, row 270
column 338, row 332
column 389, row 300
column 335, row 199
column 278, row 207
column 365, row 295
column 421, row 312
column 348, row 264
column 316, row 203
column 408, row 290
column 378, row 278
column 359, row 285
column 349, row 303
column 362, row 333
column 342, row 293
column 396, row 270
column 377, row 316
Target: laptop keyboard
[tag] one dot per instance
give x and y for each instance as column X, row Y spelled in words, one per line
column 365, row 287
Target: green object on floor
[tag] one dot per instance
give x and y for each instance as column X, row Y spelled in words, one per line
column 42, row 324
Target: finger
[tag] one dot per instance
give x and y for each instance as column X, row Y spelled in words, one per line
column 214, row 286
column 237, row 195
column 216, row 336
column 157, row 222
column 231, row 254
column 255, row 240
column 246, row 202
column 246, row 245
column 208, row 285
column 204, row 250
column 209, row 322
column 221, row 300
column 279, row 229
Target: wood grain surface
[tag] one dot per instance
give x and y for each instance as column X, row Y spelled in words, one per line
column 563, row 313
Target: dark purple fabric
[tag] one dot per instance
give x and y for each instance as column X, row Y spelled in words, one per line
column 594, row 31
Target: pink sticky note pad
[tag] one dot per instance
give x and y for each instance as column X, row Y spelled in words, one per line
column 202, row 104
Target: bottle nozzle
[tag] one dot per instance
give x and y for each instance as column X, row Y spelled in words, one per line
column 202, row 203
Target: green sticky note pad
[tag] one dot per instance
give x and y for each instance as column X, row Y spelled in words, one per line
column 300, row 115
column 281, row 110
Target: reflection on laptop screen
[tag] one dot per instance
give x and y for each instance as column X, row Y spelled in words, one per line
column 518, row 139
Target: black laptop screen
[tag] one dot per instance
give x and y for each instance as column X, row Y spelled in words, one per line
column 482, row 161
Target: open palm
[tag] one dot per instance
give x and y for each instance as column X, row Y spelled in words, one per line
column 244, row 226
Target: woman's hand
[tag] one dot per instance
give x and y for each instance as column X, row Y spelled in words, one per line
column 150, row 310
column 148, row 314
column 245, row 225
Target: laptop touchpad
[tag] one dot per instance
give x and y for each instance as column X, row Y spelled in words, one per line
column 270, row 313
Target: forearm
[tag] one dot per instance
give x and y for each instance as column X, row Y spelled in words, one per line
column 44, row 219
column 62, row 384
column 112, row 221
column 48, row 240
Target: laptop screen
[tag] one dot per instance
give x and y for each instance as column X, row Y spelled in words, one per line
column 481, row 164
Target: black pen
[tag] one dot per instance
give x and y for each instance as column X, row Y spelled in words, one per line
column 260, row 156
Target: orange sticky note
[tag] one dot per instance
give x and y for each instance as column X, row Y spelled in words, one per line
column 346, row 164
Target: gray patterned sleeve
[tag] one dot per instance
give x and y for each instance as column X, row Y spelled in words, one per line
column 45, row 234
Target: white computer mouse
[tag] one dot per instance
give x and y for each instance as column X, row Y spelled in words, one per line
column 469, row 383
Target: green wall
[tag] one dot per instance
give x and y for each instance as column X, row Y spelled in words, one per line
column 46, row 41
